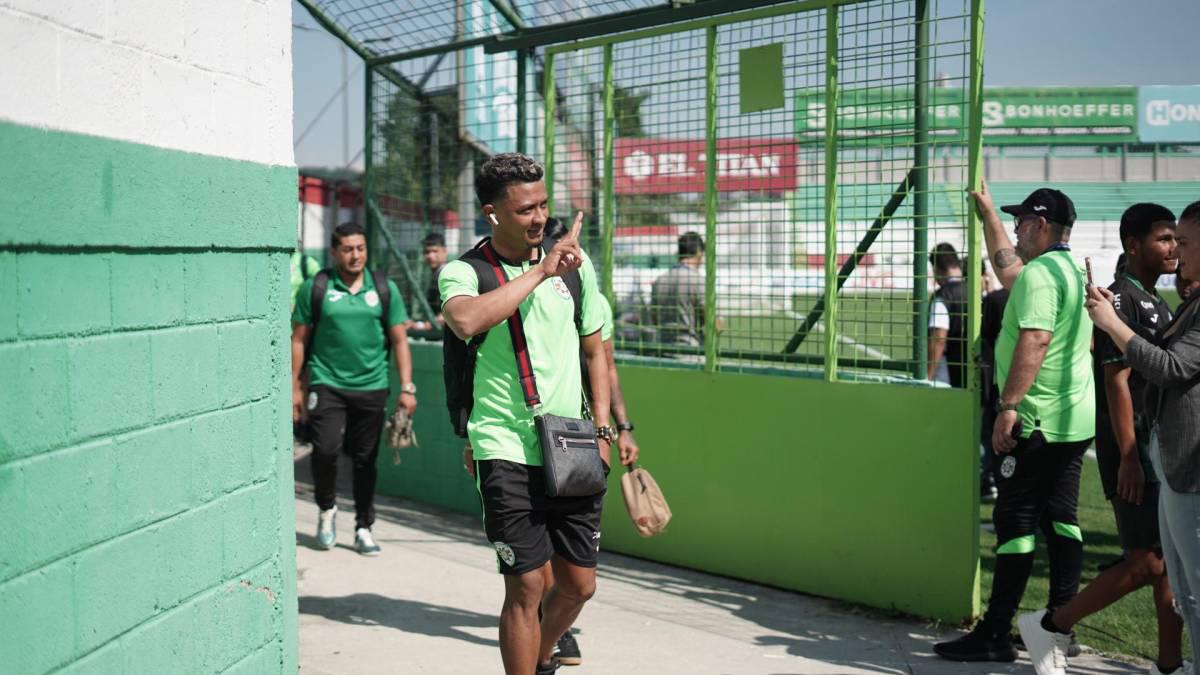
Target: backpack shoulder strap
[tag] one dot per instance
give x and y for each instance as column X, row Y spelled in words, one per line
column 320, row 284
column 385, row 303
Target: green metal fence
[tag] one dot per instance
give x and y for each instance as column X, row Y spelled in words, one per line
column 817, row 227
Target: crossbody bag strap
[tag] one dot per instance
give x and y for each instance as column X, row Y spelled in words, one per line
column 516, row 331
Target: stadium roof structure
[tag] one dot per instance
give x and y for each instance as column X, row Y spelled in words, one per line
column 387, row 31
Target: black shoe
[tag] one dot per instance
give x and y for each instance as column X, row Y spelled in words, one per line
column 548, row 668
column 566, row 650
column 1072, row 651
column 981, row 644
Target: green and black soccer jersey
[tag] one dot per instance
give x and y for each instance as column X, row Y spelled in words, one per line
column 501, row 427
column 1148, row 314
column 349, row 349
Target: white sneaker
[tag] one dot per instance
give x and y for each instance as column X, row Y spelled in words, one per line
column 327, row 528
column 1047, row 650
column 364, row 542
column 1185, row 670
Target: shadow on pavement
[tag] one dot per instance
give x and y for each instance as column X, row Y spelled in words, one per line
column 407, row 615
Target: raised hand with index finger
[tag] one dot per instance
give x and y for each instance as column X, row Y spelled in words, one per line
column 566, row 256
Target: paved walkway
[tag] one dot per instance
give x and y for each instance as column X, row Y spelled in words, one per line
column 430, row 604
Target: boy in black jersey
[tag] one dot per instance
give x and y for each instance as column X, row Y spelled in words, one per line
column 1122, row 437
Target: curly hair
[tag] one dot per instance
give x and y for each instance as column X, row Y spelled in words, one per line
column 504, row 169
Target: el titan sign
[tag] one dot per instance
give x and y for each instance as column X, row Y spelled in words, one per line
column 659, row 166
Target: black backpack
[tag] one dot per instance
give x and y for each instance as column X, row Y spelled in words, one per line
column 458, row 357
column 321, row 284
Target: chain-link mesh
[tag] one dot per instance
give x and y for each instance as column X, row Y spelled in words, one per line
column 394, row 27
column 433, row 121
column 435, row 118
column 770, row 239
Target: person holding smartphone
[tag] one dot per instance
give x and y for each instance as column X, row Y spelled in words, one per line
column 1045, row 416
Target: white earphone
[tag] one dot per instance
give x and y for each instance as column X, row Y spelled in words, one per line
column 492, row 216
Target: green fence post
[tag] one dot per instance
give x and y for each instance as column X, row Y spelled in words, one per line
column 974, row 246
column 974, row 178
column 920, row 328
column 368, row 154
column 548, row 160
column 609, row 198
column 710, row 204
column 522, row 85
column 831, row 192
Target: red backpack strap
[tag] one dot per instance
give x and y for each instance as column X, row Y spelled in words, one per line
column 516, row 331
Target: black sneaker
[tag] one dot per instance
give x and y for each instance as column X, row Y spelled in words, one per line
column 547, row 668
column 566, row 650
column 1072, row 651
column 981, row 644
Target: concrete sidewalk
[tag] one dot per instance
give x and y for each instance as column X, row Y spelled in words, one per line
column 430, row 604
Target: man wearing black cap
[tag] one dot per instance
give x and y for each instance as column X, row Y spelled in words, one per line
column 1122, row 448
column 1045, row 416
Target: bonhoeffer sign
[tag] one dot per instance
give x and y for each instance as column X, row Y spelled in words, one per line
column 1011, row 116
column 664, row 166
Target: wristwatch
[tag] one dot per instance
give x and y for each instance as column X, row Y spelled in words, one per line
column 628, row 426
column 1001, row 406
column 607, row 433
column 410, row 388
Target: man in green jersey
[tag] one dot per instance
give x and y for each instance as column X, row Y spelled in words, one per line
column 346, row 344
column 1045, row 416
column 526, row 527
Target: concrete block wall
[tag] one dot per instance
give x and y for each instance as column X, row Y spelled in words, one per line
column 146, row 219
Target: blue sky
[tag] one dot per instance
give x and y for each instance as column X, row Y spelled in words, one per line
column 1027, row 43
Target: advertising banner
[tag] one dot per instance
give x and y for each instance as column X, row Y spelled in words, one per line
column 1169, row 114
column 664, row 166
column 1011, row 116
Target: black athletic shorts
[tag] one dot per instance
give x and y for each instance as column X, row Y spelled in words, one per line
column 526, row 527
column 1137, row 526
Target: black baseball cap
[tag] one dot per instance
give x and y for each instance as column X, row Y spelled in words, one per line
column 1049, row 203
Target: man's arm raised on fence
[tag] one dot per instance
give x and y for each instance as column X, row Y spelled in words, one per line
column 1005, row 261
column 470, row 316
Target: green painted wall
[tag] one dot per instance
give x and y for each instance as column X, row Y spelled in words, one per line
column 145, row 455
column 863, row 492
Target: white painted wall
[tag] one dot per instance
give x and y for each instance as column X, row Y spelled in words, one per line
column 211, row 77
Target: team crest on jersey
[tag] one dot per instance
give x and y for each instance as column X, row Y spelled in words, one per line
column 334, row 296
column 372, row 298
column 1008, row 467
column 506, row 553
column 561, row 286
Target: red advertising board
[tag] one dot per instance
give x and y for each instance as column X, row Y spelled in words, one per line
column 663, row 166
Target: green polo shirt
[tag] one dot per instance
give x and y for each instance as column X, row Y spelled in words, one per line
column 1049, row 295
column 606, row 333
column 501, row 427
column 348, row 348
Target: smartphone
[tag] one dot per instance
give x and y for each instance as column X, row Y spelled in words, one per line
column 1087, row 262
